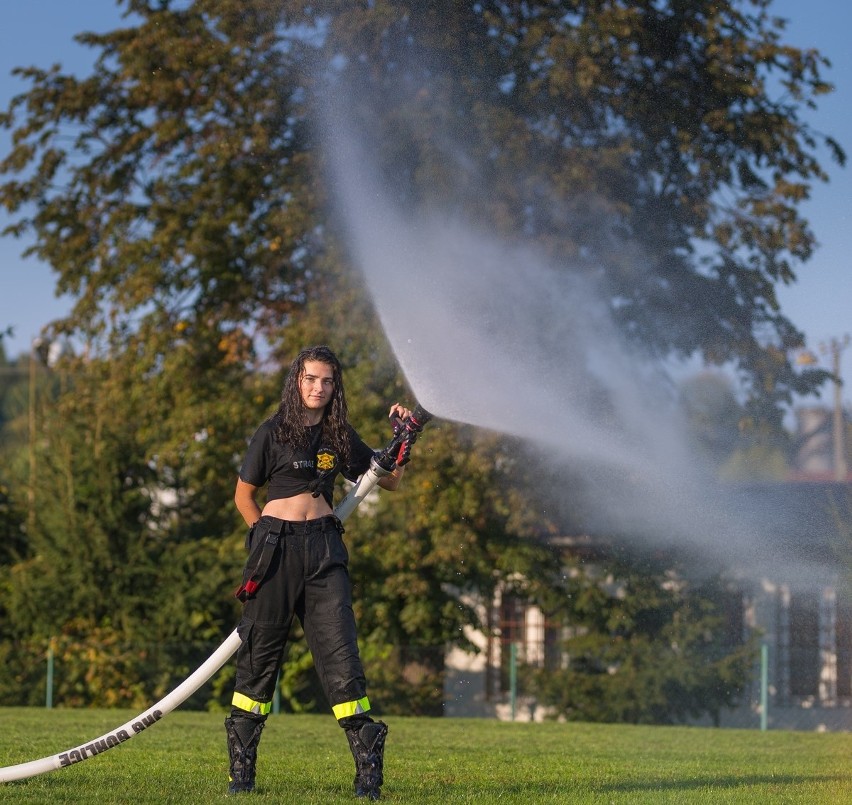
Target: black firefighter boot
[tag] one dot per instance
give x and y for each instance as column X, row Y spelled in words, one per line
column 367, row 742
column 243, row 738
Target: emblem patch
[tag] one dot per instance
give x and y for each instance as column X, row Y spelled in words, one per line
column 325, row 460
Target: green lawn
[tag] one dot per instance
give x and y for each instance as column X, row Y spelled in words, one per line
column 305, row 759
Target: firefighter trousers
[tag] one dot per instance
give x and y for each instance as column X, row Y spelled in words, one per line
column 305, row 574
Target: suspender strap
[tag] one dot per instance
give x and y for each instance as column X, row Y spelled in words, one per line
column 255, row 573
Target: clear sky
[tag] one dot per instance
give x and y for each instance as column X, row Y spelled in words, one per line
column 39, row 32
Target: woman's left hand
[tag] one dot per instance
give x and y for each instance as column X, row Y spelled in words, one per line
column 399, row 411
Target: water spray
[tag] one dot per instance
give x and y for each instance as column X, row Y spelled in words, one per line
column 395, row 454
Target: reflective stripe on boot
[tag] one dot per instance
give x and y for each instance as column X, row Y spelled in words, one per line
column 242, row 752
column 367, row 743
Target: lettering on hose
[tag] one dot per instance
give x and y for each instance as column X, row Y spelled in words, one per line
column 108, row 741
column 147, row 721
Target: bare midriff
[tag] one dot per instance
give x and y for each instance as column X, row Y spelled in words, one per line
column 299, row 507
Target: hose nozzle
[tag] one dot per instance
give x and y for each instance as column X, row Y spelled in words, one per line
column 405, row 433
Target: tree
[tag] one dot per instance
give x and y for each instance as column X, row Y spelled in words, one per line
column 191, row 190
column 461, row 529
column 713, row 415
column 180, row 193
column 647, row 646
column 128, row 562
column 676, row 125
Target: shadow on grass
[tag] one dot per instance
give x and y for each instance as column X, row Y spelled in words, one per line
column 722, row 782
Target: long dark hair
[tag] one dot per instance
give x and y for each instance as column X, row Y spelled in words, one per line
column 289, row 419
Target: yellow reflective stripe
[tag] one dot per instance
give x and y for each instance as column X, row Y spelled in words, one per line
column 250, row 705
column 345, row 709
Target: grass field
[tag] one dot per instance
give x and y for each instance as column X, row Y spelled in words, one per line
column 305, row 759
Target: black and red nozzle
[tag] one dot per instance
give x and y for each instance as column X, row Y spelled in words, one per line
column 405, row 433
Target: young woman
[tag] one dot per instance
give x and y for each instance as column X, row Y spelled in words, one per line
column 297, row 565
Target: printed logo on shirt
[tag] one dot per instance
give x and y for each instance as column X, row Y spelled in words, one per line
column 325, row 460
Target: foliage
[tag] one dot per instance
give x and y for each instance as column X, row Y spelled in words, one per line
column 180, row 194
column 713, row 415
column 11, row 527
column 656, row 147
column 190, row 193
column 169, row 200
column 644, row 646
column 130, row 544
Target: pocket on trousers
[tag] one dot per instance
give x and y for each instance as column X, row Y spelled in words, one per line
column 244, row 664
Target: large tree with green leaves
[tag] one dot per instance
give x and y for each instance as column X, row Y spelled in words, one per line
column 659, row 147
column 180, row 183
column 130, row 548
column 179, row 192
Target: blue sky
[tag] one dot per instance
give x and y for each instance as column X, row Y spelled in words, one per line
column 40, row 32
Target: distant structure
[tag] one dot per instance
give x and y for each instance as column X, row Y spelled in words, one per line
column 817, row 457
column 814, row 454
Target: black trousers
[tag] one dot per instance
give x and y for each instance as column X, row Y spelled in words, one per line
column 307, row 577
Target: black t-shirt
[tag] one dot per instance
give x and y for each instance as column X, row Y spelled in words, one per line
column 290, row 472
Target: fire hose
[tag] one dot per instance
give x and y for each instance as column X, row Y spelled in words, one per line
column 383, row 463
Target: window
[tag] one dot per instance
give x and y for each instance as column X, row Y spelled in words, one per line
column 804, row 644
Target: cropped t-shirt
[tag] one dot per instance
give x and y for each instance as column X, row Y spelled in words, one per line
column 290, row 471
